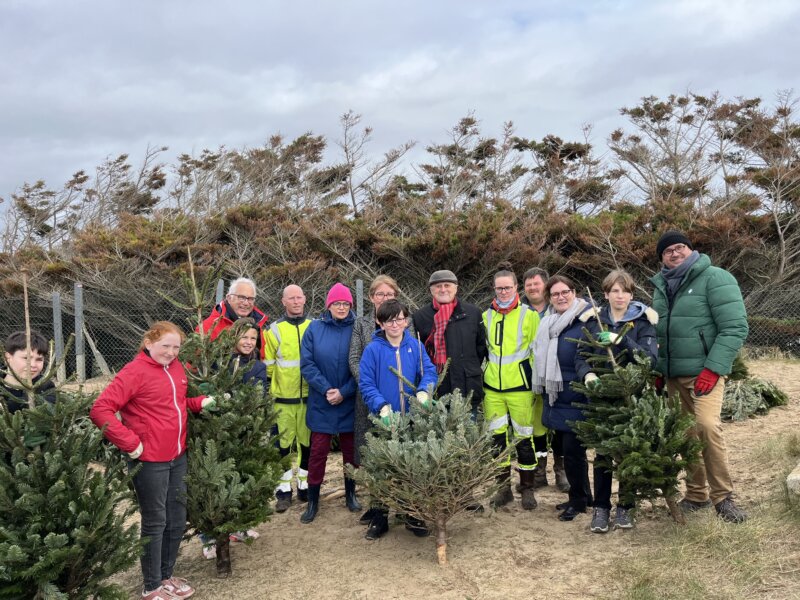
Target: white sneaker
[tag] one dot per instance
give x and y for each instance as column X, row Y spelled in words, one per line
column 210, row 551
column 243, row 536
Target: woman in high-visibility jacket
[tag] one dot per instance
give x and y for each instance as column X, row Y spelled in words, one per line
column 510, row 330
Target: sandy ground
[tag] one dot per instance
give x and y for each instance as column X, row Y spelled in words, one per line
column 506, row 554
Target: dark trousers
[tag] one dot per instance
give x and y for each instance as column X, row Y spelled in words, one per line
column 576, row 467
column 161, row 493
column 320, row 446
column 602, row 484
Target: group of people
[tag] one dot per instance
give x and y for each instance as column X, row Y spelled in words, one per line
column 516, row 360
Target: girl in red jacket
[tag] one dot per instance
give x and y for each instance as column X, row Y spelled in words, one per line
column 150, row 395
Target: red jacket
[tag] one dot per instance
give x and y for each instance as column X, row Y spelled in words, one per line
column 151, row 399
column 223, row 317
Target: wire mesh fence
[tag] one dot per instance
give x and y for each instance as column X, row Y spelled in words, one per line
column 113, row 329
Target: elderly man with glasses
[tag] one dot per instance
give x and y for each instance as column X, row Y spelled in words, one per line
column 238, row 304
column 702, row 324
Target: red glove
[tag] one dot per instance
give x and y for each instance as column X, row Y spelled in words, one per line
column 659, row 382
column 705, row 382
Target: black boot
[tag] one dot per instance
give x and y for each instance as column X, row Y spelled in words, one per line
column 313, row 505
column 367, row 517
column 540, row 477
column 378, row 525
column 527, row 483
column 561, row 475
column 353, row 505
column 504, row 494
column 284, row 501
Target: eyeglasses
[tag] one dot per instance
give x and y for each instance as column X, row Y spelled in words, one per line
column 387, row 295
column 676, row 249
column 563, row 294
column 396, row 322
column 340, row 304
column 241, row 298
column 503, row 290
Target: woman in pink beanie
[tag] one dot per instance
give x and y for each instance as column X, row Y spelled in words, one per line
column 324, row 364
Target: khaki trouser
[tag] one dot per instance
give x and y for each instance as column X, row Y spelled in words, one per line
column 712, row 471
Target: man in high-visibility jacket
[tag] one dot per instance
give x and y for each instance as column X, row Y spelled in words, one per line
column 289, row 391
column 510, row 330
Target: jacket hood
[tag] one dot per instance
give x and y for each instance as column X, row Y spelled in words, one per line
column 380, row 336
column 327, row 317
column 635, row 310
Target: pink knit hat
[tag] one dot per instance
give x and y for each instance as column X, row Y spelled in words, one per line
column 338, row 293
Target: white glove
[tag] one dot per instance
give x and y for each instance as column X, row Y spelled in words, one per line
column 423, row 397
column 386, row 410
column 590, row 377
column 137, row 452
column 207, row 402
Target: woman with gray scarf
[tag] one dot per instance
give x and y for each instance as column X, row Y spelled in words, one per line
column 554, row 359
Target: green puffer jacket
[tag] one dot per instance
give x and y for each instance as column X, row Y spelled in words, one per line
column 706, row 325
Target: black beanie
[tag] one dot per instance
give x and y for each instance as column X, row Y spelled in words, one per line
column 668, row 238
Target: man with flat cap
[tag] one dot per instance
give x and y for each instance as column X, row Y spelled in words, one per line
column 452, row 329
column 702, row 323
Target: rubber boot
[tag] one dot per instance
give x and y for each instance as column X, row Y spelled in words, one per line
column 353, row 505
column 284, row 501
column 562, row 483
column 504, row 495
column 527, row 479
column 313, row 505
column 540, row 474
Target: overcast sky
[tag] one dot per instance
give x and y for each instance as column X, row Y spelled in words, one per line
column 87, row 79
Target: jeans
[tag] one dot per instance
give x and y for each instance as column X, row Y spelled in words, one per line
column 161, row 493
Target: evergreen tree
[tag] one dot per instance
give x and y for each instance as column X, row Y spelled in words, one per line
column 233, row 464
column 431, row 463
column 643, row 434
column 63, row 516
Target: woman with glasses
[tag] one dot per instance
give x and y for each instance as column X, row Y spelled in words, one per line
column 507, row 395
column 384, row 393
column 382, row 289
column 618, row 287
column 555, row 352
column 324, row 353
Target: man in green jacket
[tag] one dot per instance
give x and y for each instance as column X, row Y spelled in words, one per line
column 702, row 324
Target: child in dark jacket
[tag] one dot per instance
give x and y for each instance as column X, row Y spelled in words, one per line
column 385, row 393
column 14, row 397
column 618, row 287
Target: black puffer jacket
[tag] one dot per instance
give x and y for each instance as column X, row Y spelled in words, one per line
column 465, row 338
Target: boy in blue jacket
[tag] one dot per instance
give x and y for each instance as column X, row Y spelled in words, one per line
column 384, row 392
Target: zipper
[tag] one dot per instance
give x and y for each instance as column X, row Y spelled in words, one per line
column 703, row 339
column 177, row 408
column 297, row 329
column 400, row 380
column 499, row 329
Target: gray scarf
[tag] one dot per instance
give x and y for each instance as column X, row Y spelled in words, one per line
column 674, row 277
column 547, row 376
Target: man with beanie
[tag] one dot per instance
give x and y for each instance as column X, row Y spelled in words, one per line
column 453, row 330
column 289, row 391
column 702, row 324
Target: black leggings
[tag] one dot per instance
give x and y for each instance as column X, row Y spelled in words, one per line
column 576, row 467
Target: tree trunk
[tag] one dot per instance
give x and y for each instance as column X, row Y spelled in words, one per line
column 223, row 555
column 441, row 540
column 675, row 510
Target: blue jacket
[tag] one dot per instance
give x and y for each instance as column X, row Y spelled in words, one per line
column 641, row 338
column 256, row 371
column 324, row 353
column 556, row 416
column 379, row 385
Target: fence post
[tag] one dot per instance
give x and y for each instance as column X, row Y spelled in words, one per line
column 80, row 353
column 360, row 297
column 220, row 290
column 58, row 337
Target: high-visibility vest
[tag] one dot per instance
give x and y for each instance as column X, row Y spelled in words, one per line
column 509, row 339
column 282, row 357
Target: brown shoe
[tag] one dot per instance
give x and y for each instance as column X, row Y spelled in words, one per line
column 729, row 512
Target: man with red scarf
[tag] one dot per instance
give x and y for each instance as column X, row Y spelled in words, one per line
column 510, row 330
column 452, row 331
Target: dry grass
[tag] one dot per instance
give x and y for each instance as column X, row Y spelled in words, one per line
column 710, row 559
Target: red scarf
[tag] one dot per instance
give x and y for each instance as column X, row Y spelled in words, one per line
column 504, row 311
column 440, row 319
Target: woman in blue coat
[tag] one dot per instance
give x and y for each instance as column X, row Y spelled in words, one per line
column 555, row 352
column 324, row 353
column 393, row 348
column 618, row 287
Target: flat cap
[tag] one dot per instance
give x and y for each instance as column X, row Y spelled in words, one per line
column 442, row 277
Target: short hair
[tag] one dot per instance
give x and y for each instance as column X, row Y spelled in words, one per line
column 621, row 277
column 535, row 272
column 381, row 280
column 551, row 281
column 17, row 341
column 391, row 309
column 505, row 273
column 237, row 282
column 158, row 330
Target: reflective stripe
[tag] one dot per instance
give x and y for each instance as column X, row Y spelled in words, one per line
column 285, row 483
column 541, row 454
column 302, row 479
column 276, row 332
column 269, row 363
column 521, row 430
column 287, row 363
column 526, row 467
column 498, row 422
column 510, row 358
